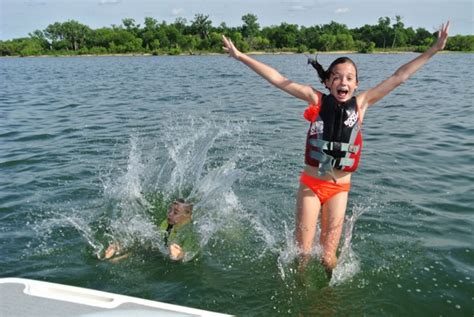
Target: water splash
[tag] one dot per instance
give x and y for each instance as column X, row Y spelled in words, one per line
column 194, row 161
column 201, row 161
column 287, row 255
column 348, row 262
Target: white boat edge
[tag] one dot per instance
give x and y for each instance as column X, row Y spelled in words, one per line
column 95, row 298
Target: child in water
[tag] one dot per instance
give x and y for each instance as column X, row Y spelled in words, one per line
column 334, row 140
column 177, row 233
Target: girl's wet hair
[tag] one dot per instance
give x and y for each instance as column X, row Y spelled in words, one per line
column 325, row 74
column 187, row 207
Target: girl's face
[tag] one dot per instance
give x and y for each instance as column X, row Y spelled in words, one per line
column 178, row 213
column 342, row 82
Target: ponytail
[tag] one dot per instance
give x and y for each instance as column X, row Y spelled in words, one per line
column 323, row 74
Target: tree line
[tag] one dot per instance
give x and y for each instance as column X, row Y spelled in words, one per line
column 199, row 35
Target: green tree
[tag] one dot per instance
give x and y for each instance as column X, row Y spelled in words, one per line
column 70, row 35
column 398, row 32
column 461, row 43
column 201, row 25
column 173, row 34
column 215, row 41
column 189, row 42
column 364, row 47
column 180, row 25
column 162, row 37
column 309, row 36
column 102, row 37
column 382, row 32
column 239, row 41
column 149, row 33
column 223, row 29
column 364, row 34
column 56, row 35
column 76, row 34
column 344, row 42
column 39, row 37
column 251, row 27
column 422, row 37
column 335, row 28
column 281, row 36
column 259, row 43
column 131, row 27
column 327, row 42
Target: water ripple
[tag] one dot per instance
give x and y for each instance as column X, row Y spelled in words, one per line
column 79, row 136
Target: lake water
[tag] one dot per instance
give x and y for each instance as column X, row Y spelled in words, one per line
column 89, row 146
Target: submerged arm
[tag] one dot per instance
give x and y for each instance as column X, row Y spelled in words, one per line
column 271, row 75
column 373, row 95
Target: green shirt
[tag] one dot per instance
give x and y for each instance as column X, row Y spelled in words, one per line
column 184, row 236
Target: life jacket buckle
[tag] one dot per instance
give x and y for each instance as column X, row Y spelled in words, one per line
column 336, row 146
column 352, row 148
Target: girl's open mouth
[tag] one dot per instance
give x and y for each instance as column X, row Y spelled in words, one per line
column 342, row 92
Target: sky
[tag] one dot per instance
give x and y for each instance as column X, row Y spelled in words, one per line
column 20, row 17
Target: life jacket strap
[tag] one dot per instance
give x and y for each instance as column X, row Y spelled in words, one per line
column 168, row 233
column 327, row 162
column 334, row 146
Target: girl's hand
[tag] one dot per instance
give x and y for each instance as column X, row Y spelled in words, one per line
column 176, row 252
column 113, row 249
column 230, row 48
column 442, row 37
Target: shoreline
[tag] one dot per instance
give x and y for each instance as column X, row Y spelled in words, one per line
column 219, row 54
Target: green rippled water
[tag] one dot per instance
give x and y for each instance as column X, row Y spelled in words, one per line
column 92, row 149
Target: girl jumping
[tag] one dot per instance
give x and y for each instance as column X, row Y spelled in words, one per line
column 334, row 140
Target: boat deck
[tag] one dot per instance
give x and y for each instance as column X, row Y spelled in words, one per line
column 23, row 297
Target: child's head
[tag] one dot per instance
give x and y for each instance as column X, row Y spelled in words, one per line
column 340, row 78
column 179, row 212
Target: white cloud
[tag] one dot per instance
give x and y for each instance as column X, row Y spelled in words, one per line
column 341, row 10
column 177, row 11
column 107, row 2
column 297, row 8
column 32, row 3
column 299, row 5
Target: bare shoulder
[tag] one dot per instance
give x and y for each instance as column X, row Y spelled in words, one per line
column 316, row 96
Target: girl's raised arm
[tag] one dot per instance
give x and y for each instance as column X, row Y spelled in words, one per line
column 271, row 75
column 373, row 95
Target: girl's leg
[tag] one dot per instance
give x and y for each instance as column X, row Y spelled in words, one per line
column 307, row 211
column 332, row 220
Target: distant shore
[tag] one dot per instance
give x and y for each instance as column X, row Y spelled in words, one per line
column 219, row 54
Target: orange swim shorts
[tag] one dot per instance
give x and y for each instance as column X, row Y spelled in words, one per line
column 323, row 189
